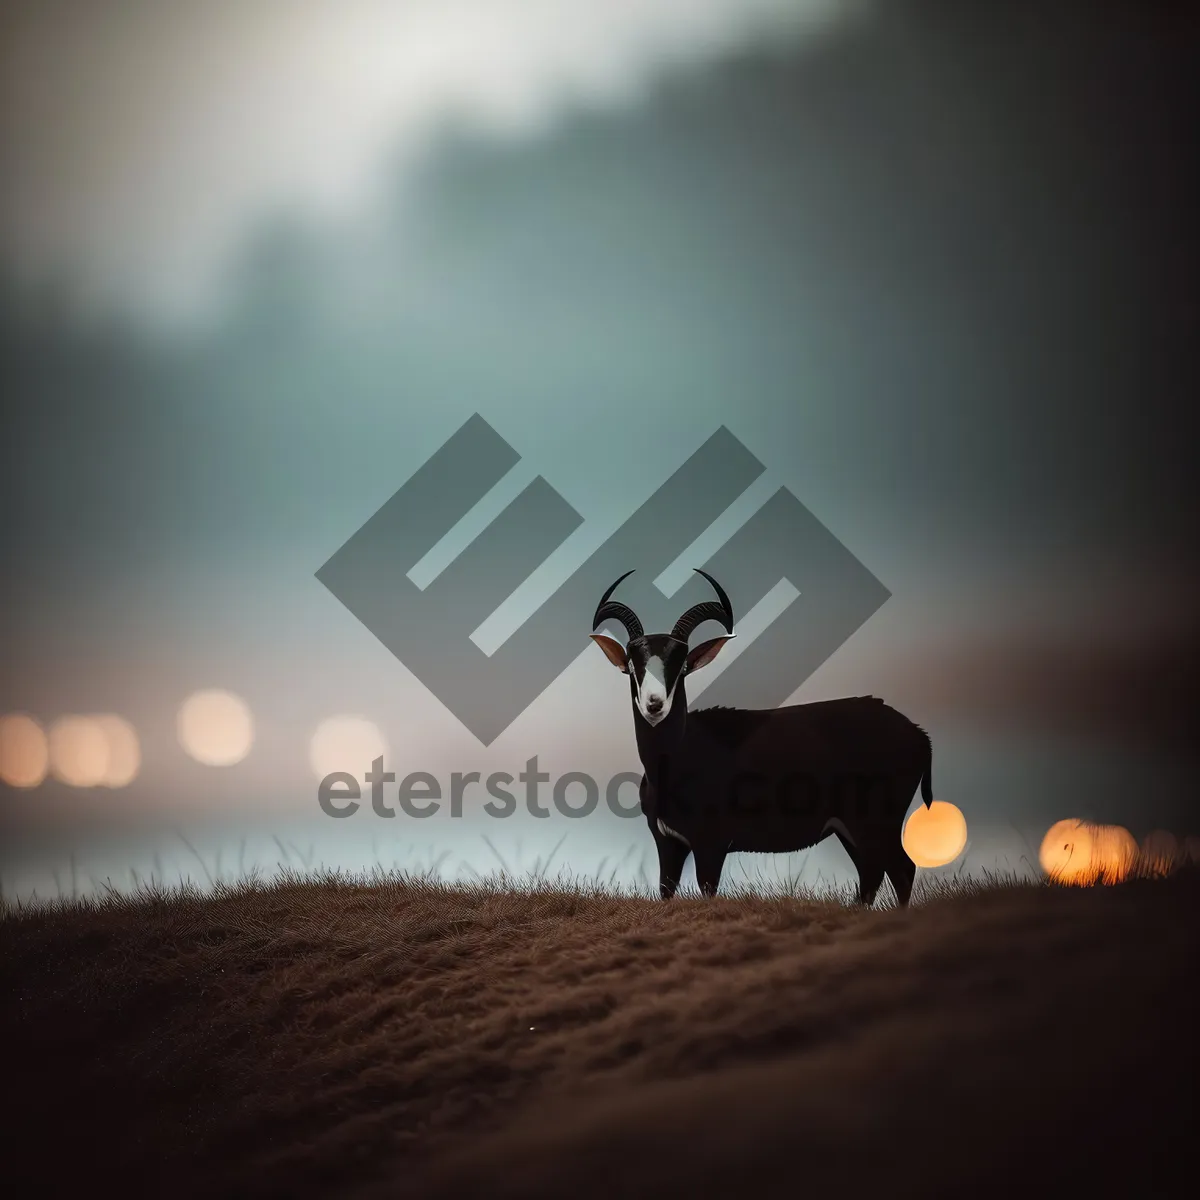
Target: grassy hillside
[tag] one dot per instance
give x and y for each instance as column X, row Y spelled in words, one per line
column 403, row 1038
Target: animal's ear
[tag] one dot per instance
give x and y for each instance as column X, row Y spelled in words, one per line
column 703, row 654
column 613, row 651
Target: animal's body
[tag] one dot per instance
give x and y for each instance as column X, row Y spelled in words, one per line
column 721, row 780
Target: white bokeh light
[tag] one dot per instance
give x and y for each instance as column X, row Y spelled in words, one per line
column 346, row 743
column 215, row 727
column 124, row 750
column 24, row 751
column 78, row 751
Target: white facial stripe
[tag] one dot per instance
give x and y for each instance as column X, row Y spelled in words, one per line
column 652, row 686
column 652, row 679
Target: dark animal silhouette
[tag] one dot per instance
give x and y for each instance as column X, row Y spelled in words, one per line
column 719, row 780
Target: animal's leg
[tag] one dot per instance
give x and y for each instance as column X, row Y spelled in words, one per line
column 901, row 870
column 870, row 876
column 672, row 854
column 709, row 864
column 865, row 860
column 850, row 849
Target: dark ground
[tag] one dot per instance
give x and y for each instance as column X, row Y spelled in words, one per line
column 408, row 1039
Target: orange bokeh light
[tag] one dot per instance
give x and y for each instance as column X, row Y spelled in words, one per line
column 936, row 835
column 1161, row 852
column 1083, row 852
column 1114, row 852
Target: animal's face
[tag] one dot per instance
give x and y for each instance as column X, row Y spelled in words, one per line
column 655, row 664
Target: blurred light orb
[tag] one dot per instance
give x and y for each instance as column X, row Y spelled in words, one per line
column 936, row 835
column 215, row 727
column 1114, row 852
column 346, row 743
column 124, row 752
column 24, row 751
column 1084, row 852
column 1160, row 852
column 78, row 751
column 1066, row 852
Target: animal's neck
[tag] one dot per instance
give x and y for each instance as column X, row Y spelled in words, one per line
column 659, row 744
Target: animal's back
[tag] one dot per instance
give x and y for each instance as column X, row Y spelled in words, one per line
column 863, row 730
column 845, row 716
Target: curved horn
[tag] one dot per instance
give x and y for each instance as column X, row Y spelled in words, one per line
column 618, row 611
column 707, row 611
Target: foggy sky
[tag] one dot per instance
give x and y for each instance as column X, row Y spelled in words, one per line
column 142, row 146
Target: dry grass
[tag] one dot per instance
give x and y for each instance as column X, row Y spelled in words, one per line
column 394, row 1036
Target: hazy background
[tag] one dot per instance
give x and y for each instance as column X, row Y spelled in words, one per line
column 934, row 264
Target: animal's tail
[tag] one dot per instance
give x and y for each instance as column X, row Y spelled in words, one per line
column 927, row 778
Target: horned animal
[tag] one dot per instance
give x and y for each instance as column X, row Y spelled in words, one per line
column 721, row 780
